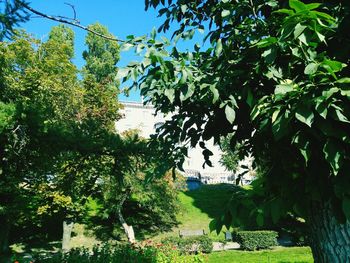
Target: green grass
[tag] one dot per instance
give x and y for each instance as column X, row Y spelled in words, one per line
column 278, row 255
column 199, row 207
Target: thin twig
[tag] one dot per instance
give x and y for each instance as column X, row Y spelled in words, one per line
column 74, row 12
column 253, row 7
column 72, row 22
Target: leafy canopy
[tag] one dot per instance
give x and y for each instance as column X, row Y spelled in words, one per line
column 276, row 74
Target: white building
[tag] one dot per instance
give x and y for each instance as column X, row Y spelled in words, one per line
column 143, row 117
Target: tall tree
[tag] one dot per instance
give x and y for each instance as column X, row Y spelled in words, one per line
column 37, row 83
column 276, row 74
column 101, row 55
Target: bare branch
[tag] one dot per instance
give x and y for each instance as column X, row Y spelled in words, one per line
column 69, row 21
column 74, row 12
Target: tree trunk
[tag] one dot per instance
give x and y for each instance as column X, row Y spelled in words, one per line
column 5, row 227
column 67, row 233
column 330, row 240
column 129, row 230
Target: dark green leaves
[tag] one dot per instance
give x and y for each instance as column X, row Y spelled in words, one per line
column 305, row 115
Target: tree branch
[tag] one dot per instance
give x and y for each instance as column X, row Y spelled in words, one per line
column 70, row 21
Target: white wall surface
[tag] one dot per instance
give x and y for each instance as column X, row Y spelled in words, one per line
column 143, row 118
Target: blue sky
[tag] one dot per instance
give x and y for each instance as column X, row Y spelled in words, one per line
column 122, row 17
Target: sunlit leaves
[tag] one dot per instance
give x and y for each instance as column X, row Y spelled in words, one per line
column 333, row 155
column 230, row 114
column 305, row 115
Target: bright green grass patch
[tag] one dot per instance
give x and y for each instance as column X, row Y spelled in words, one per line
column 278, row 255
column 199, row 207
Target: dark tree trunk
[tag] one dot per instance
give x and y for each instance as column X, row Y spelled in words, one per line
column 330, row 240
column 4, row 237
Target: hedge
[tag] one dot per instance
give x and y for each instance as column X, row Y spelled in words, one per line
column 191, row 244
column 252, row 240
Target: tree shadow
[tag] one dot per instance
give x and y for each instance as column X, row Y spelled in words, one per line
column 212, row 199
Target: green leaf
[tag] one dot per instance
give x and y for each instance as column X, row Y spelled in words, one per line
column 346, row 207
column 218, row 48
column 321, row 107
column 332, row 66
column 266, row 42
column 298, row 6
column 343, row 80
column 284, row 88
column 126, row 47
column 122, row 73
column 280, row 126
column 230, row 114
column 183, row 78
column 275, row 115
column 303, row 145
column 212, row 225
column 284, row 11
column 170, row 94
column 225, row 13
column 305, row 115
column 215, row 225
column 304, row 39
column 328, row 93
column 340, row 116
column 215, row 93
column 299, row 28
column 270, row 54
column 311, row 69
column 183, row 8
column 313, row 6
column 333, row 155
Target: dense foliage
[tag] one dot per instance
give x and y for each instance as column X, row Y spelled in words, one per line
column 276, row 74
column 147, row 253
column 253, row 240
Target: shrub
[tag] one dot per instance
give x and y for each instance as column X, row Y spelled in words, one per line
column 191, row 244
column 252, row 240
column 126, row 253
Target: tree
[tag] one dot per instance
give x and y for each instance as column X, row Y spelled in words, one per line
column 276, row 75
column 131, row 196
column 50, row 121
column 36, row 119
column 74, row 171
column 101, row 55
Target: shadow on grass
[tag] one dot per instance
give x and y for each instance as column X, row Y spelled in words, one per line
column 212, row 199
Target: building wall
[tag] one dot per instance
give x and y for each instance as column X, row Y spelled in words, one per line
column 143, row 118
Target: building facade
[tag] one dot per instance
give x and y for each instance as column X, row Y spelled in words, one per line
column 145, row 120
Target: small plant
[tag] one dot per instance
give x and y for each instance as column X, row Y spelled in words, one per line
column 191, row 244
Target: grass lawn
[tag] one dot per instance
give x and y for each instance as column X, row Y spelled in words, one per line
column 199, row 207
column 277, row 255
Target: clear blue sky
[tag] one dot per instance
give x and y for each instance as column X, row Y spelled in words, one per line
column 122, row 17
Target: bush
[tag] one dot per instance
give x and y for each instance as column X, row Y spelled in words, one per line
column 252, row 240
column 190, row 244
column 126, row 253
